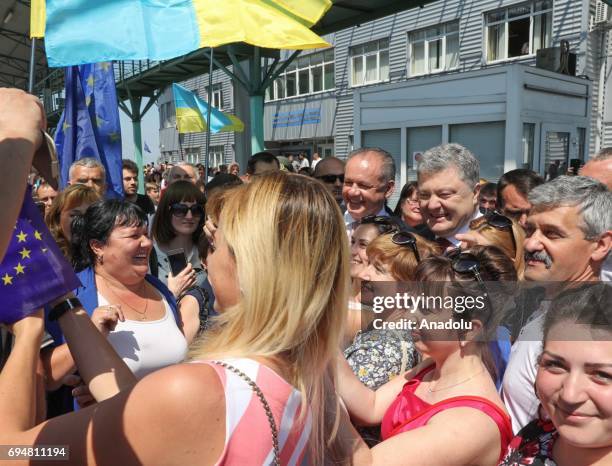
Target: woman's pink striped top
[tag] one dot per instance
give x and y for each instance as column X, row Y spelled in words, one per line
column 248, row 437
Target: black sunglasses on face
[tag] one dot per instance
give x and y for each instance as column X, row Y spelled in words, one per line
column 405, row 238
column 331, row 178
column 180, row 210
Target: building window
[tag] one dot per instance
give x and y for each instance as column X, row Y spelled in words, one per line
column 306, row 75
column 167, row 119
column 217, row 96
column 370, row 62
column 215, row 156
column 434, row 49
column 192, row 154
column 518, row 30
column 528, row 144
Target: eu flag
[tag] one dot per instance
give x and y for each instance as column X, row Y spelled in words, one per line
column 34, row 271
column 89, row 125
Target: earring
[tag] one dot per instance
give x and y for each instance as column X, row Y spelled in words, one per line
column 101, row 259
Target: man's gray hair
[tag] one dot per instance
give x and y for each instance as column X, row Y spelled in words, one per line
column 388, row 164
column 592, row 198
column 87, row 162
column 603, row 154
column 183, row 164
column 441, row 157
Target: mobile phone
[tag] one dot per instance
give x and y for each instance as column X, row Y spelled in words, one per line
column 41, row 208
column 575, row 165
column 177, row 260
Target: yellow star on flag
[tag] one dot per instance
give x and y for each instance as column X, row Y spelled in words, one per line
column 114, row 137
column 65, row 126
column 19, row 268
column 105, row 65
column 25, row 253
column 44, row 250
column 87, row 100
column 37, row 235
column 7, row 279
column 99, row 121
column 90, row 80
column 21, row 237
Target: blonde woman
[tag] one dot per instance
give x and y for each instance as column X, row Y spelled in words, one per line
column 281, row 278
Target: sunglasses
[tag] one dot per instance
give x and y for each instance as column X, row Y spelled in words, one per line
column 464, row 262
column 331, row 178
column 405, row 238
column 499, row 221
column 180, row 210
column 384, row 224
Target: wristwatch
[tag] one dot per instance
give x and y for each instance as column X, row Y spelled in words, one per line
column 61, row 308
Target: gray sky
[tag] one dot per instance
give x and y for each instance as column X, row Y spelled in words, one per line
column 150, row 134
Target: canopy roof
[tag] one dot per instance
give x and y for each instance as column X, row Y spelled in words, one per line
column 15, row 44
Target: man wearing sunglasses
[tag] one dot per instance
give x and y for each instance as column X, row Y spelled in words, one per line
column 569, row 235
column 448, row 177
column 330, row 171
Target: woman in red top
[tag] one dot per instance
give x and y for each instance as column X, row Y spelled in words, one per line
column 445, row 411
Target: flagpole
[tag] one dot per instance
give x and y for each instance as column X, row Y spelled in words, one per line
column 210, row 72
column 180, row 146
column 32, row 66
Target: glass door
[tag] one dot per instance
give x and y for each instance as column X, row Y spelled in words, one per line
column 557, row 148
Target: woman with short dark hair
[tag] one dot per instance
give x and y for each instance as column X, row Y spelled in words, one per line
column 111, row 248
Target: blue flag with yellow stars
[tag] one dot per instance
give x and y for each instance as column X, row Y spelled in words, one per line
column 34, row 271
column 89, row 125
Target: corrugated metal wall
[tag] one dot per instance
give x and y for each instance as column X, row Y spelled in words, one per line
column 568, row 18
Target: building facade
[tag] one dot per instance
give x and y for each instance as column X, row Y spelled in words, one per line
column 452, row 71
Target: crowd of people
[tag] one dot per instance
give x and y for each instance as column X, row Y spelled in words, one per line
column 255, row 318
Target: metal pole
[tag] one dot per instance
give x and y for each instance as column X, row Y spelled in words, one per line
column 32, row 65
column 210, row 73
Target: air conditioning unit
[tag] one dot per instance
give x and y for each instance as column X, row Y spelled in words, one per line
column 601, row 16
column 601, row 12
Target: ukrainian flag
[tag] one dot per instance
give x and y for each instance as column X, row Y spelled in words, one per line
column 192, row 114
column 87, row 31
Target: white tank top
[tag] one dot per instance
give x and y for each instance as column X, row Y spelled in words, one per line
column 148, row 346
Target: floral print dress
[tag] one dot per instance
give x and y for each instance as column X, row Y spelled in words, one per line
column 532, row 446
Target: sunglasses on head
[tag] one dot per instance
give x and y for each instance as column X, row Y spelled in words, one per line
column 331, row 178
column 180, row 210
column 405, row 238
column 498, row 221
column 384, row 224
column 465, row 262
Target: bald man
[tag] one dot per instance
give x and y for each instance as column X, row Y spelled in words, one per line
column 600, row 167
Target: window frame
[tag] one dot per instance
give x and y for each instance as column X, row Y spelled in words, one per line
column 272, row 93
column 426, row 44
column 363, row 56
column 531, row 15
column 217, row 95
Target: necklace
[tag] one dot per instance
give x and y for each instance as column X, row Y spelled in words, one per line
column 142, row 314
column 430, row 390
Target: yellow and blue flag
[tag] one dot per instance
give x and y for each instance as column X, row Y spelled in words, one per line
column 86, row 31
column 192, row 114
column 34, row 271
column 89, row 125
